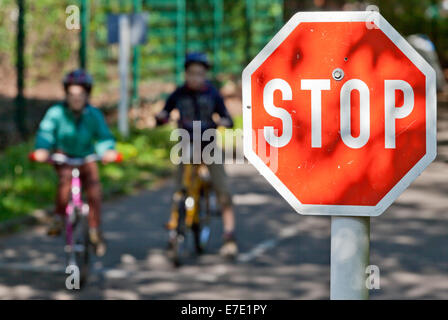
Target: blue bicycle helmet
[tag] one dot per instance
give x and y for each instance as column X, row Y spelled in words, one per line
column 79, row 77
column 197, row 57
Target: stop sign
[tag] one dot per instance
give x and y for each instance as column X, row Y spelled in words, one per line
column 339, row 113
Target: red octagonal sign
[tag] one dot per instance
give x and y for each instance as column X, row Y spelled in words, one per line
column 339, row 113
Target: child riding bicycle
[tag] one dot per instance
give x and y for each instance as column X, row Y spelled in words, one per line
column 76, row 129
column 199, row 100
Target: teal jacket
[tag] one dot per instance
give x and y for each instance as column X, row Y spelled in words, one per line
column 77, row 137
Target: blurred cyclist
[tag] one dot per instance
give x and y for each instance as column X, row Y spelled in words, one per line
column 198, row 100
column 77, row 129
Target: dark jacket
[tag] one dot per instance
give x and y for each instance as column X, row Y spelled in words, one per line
column 197, row 106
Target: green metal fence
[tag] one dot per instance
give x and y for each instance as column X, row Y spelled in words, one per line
column 229, row 31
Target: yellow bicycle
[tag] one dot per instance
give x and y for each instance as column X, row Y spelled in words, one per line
column 193, row 206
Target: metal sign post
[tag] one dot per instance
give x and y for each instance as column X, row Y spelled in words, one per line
column 125, row 49
column 127, row 30
column 350, row 242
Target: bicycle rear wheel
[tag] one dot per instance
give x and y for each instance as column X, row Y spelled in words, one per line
column 202, row 232
column 196, row 229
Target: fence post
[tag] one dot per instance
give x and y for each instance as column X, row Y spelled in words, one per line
column 137, row 6
column 20, row 113
column 85, row 5
column 180, row 43
column 249, row 20
column 279, row 17
column 217, row 35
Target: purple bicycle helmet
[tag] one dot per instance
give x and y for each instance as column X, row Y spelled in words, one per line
column 79, row 77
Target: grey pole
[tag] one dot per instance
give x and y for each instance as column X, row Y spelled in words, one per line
column 350, row 241
column 124, row 54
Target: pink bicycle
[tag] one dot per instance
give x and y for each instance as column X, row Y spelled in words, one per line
column 77, row 242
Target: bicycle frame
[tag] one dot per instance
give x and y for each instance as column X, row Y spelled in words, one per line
column 193, row 184
column 75, row 203
column 190, row 214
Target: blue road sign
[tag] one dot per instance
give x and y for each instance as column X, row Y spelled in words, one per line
column 138, row 23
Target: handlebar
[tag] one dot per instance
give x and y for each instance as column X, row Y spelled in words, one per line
column 163, row 118
column 60, row 158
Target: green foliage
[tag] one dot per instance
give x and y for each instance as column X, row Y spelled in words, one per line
column 51, row 47
column 7, row 23
column 24, row 186
column 238, row 122
column 419, row 16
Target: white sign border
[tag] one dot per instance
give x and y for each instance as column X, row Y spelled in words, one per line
column 431, row 112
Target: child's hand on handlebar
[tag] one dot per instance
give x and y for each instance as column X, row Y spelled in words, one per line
column 111, row 156
column 224, row 122
column 40, row 155
column 162, row 118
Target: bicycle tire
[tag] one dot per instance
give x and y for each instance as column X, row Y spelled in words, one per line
column 179, row 250
column 196, row 229
column 205, row 215
column 83, row 257
column 79, row 251
column 178, row 241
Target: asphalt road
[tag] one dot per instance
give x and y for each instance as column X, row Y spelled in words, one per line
column 283, row 255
